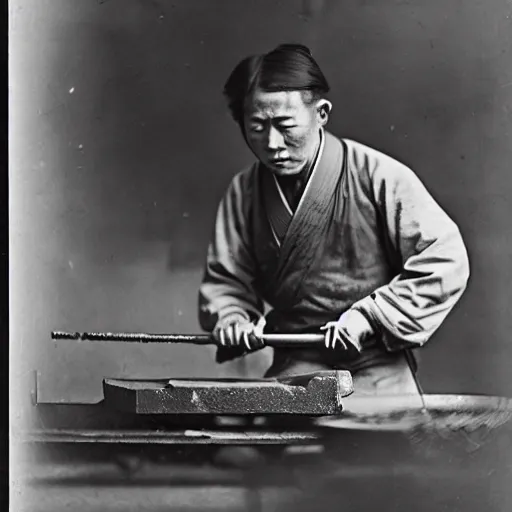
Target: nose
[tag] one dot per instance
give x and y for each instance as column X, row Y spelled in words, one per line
column 275, row 140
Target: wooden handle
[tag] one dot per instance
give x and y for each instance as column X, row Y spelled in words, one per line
column 272, row 340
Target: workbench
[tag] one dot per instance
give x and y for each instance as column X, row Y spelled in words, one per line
column 128, row 462
column 154, row 446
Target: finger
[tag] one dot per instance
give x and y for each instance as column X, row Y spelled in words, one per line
column 227, row 337
column 340, row 340
column 256, row 341
column 336, row 340
column 346, row 339
column 329, row 337
column 334, row 337
column 247, row 342
column 236, row 334
column 231, row 335
column 222, row 337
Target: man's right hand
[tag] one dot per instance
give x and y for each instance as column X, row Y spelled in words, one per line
column 240, row 331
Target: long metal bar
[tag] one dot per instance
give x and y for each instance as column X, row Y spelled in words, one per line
column 272, row 340
column 239, row 437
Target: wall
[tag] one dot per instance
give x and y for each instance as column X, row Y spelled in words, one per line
column 121, row 148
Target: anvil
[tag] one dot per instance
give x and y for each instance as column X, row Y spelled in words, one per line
column 315, row 394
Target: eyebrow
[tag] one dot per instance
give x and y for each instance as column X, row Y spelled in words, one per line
column 278, row 118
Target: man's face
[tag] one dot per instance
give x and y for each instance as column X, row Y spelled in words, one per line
column 282, row 130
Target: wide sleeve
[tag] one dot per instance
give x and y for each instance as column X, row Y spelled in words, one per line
column 429, row 255
column 227, row 285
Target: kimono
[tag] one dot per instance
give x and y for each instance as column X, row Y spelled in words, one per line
column 366, row 234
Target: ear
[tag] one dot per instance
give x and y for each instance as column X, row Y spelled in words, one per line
column 323, row 109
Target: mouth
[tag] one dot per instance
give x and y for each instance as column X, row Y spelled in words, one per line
column 279, row 161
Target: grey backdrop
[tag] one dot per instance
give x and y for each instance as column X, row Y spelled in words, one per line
column 121, row 148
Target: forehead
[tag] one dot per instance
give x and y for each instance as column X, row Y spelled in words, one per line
column 273, row 104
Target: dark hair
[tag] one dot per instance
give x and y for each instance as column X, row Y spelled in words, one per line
column 289, row 67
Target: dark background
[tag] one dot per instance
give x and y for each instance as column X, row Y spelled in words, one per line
column 121, row 147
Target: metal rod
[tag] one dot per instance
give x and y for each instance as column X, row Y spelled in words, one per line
column 272, row 340
column 169, row 437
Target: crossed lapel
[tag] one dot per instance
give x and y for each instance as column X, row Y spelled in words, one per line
column 299, row 235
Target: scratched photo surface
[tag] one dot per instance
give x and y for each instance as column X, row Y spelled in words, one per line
column 121, row 147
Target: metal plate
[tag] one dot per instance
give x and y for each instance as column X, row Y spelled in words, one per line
column 316, row 394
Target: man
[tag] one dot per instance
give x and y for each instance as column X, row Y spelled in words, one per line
column 334, row 236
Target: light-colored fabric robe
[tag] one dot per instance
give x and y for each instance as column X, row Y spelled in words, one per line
column 366, row 235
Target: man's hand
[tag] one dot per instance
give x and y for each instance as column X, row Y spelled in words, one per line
column 347, row 332
column 234, row 332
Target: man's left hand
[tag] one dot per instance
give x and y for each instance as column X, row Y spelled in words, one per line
column 348, row 331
